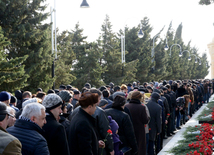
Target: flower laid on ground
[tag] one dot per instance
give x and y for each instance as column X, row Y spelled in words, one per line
column 204, row 143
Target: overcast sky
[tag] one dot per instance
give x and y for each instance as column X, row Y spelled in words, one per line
column 197, row 20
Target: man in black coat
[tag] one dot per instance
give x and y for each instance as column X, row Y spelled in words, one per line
column 155, row 123
column 54, row 132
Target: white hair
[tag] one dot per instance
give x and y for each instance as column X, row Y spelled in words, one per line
column 33, row 109
column 32, row 100
column 9, row 109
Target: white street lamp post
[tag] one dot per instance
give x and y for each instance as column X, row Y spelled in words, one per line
column 54, row 36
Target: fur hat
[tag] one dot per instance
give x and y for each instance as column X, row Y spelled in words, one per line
column 51, row 101
column 65, row 95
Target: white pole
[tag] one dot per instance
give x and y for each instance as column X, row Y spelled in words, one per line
column 52, row 41
column 124, row 54
column 121, row 48
column 55, row 29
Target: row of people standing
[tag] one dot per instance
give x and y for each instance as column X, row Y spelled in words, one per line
column 139, row 116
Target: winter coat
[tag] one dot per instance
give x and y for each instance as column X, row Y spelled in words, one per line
column 167, row 96
column 74, row 102
column 82, row 136
column 126, row 130
column 55, row 136
column 64, row 121
column 102, row 126
column 166, row 106
column 9, row 145
column 140, row 119
column 30, row 135
column 155, row 123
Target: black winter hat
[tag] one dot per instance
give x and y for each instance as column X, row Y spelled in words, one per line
column 68, row 87
column 62, row 87
column 76, row 92
column 157, row 91
column 102, row 88
column 39, row 89
column 149, row 87
column 18, row 94
column 87, row 85
column 129, row 85
column 51, row 91
column 155, row 96
column 164, row 88
column 13, row 99
column 103, row 102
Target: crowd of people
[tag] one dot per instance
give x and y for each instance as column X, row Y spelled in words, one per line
column 131, row 119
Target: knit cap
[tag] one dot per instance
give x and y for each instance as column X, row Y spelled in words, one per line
column 4, row 96
column 65, row 95
column 51, row 101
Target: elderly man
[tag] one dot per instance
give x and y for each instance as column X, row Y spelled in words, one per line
column 28, row 129
column 55, row 132
column 9, row 144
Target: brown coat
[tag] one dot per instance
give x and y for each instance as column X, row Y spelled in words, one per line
column 140, row 119
column 9, row 145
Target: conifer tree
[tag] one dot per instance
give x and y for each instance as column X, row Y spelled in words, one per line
column 65, row 59
column 21, row 22
column 86, row 66
column 12, row 74
column 140, row 49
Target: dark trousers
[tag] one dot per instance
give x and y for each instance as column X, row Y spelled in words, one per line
column 169, row 125
column 178, row 115
column 147, row 142
column 173, row 120
column 151, row 150
column 159, row 143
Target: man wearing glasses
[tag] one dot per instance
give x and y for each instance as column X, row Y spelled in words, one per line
column 9, row 144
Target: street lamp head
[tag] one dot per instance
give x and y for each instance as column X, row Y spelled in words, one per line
column 166, row 47
column 189, row 58
column 180, row 54
column 140, row 34
column 84, row 4
column 199, row 63
column 196, row 61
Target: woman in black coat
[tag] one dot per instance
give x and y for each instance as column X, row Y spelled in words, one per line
column 140, row 119
column 125, row 131
column 82, row 137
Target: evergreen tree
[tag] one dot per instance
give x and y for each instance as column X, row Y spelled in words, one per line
column 12, row 74
column 21, row 22
column 86, row 66
column 174, row 60
column 140, row 49
column 65, row 59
